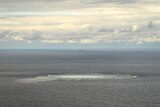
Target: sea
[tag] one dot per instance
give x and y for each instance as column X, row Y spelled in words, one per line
column 79, row 78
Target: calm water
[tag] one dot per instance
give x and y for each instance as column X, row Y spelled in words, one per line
column 48, row 78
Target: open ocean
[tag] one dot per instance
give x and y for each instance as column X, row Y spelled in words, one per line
column 61, row 78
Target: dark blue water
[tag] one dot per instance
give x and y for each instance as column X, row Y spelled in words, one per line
column 17, row 66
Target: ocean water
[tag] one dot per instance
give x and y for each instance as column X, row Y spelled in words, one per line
column 60, row 78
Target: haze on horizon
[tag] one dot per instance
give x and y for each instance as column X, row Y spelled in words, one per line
column 100, row 24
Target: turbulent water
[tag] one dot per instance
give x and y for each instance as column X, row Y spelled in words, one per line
column 50, row 78
column 74, row 77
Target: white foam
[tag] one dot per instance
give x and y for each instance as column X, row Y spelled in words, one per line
column 38, row 79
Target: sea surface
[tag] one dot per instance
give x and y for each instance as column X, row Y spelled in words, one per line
column 79, row 78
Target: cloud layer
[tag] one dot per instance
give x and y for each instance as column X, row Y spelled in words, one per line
column 80, row 21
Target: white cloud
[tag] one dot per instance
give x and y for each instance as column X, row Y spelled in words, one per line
column 148, row 40
column 19, row 38
column 88, row 41
column 72, row 41
column 52, row 41
column 135, row 28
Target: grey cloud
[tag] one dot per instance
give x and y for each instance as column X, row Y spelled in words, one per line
column 6, row 1
column 80, row 1
column 51, row 5
column 107, row 1
column 150, row 24
column 83, row 1
column 100, row 34
column 33, row 35
column 3, row 34
column 105, row 30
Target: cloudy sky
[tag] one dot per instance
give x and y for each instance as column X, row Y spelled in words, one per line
column 85, row 24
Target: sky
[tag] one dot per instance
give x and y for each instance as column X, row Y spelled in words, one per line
column 80, row 24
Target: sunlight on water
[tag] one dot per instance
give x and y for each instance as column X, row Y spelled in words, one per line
column 75, row 77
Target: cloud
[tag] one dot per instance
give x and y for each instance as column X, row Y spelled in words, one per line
column 142, row 40
column 52, row 41
column 80, row 1
column 72, row 41
column 150, row 24
column 105, row 30
column 88, row 41
column 135, row 28
column 135, row 33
